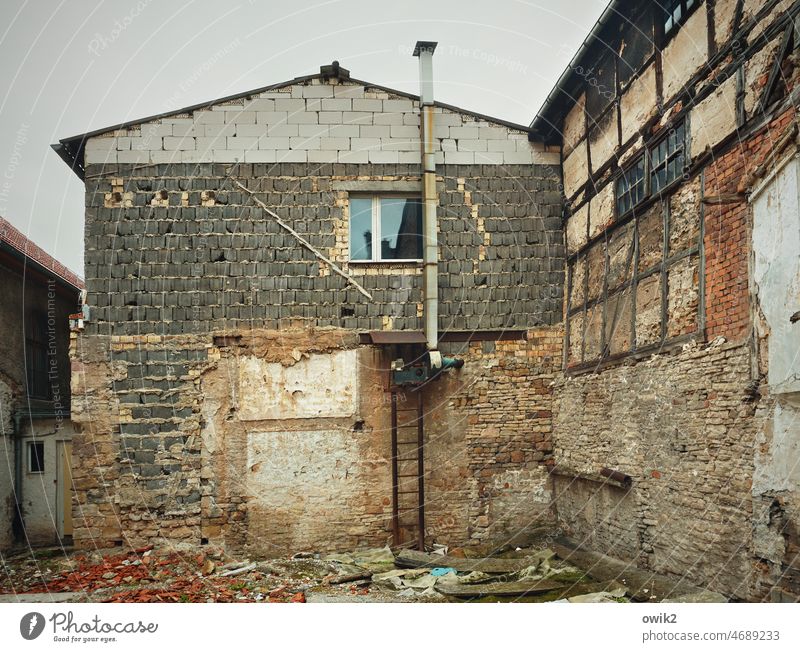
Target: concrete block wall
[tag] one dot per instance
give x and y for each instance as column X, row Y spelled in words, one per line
column 316, row 122
column 170, row 259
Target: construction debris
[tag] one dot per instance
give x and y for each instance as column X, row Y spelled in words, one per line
column 148, row 575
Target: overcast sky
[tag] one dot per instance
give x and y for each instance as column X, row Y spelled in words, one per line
column 68, row 67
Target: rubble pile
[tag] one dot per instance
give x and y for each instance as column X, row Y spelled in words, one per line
column 376, row 575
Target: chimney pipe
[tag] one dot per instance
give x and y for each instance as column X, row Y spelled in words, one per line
column 424, row 50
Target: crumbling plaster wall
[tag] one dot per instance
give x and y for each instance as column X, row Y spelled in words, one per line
column 186, row 457
column 776, row 285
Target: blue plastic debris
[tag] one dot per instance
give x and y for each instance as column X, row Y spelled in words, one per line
column 445, row 570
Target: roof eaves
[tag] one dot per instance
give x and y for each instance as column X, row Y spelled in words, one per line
column 541, row 124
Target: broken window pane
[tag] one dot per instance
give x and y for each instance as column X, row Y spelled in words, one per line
column 630, row 187
column 361, row 229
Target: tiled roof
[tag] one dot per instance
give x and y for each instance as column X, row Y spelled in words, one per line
column 15, row 239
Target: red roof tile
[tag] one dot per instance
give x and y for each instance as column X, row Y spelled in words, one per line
column 14, row 238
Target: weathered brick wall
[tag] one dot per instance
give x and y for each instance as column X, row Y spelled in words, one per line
column 172, row 447
column 682, row 427
column 728, row 229
column 189, row 267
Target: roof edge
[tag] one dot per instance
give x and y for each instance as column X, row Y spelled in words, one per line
column 71, row 149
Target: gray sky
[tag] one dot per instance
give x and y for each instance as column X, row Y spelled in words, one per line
column 72, row 66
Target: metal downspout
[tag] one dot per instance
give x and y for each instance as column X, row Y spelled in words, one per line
column 424, row 50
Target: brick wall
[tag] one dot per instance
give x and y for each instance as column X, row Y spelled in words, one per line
column 170, row 448
column 728, row 231
column 682, row 427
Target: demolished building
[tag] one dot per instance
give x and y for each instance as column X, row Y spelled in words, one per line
column 278, row 280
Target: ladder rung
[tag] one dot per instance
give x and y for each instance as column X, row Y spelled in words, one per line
column 406, row 475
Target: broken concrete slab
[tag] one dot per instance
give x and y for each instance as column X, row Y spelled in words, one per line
column 65, row 596
column 499, row 589
column 416, row 559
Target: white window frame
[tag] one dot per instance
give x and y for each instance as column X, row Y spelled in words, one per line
column 376, row 226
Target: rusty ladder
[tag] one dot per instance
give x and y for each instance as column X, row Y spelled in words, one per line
column 408, row 483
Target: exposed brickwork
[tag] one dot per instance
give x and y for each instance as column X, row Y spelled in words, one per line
column 167, row 451
column 686, row 436
column 727, row 232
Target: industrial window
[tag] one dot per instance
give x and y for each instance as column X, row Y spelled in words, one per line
column 667, row 159
column 385, row 228
column 630, row 188
column 675, row 13
column 36, row 457
column 36, row 356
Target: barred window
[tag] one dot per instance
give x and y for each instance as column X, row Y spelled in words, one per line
column 667, row 159
column 36, row 368
column 630, row 187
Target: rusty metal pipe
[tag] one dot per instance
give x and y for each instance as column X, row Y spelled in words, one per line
column 617, row 476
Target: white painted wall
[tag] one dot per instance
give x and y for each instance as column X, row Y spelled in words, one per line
column 776, row 273
column 316, row 123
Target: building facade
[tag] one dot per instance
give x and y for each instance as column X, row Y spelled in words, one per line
column 37, row 295
column 620, row 281
column 678, row 127
column 254, row 266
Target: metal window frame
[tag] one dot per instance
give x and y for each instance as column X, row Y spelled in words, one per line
column 376, row 228
column 681, row 149
column 623, row 176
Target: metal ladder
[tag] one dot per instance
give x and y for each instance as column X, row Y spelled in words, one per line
column 408, row 483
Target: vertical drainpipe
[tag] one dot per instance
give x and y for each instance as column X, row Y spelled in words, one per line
column 424, row 50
